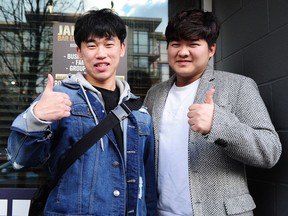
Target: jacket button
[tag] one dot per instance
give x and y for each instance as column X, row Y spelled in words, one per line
column 221, row 142
column 115, row 163
column 116, row 193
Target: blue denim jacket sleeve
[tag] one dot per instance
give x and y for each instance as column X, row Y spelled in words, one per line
column 28, row 137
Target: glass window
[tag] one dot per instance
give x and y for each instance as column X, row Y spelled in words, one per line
column 26, row 54
column 141, row 62
column 165, row 72
column 140, row 42
column 163, row 51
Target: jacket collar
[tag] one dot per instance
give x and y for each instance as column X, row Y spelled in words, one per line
column 206, row 83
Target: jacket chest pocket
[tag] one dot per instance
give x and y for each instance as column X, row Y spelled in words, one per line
column 82, row 119
column 81, row 110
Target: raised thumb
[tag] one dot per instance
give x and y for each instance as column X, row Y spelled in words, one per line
column 50, row 84
column 209, row 96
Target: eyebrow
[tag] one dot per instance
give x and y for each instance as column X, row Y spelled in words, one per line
column 93, row 40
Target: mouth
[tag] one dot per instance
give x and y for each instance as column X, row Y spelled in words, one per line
column 101, row 65
column 183, row 62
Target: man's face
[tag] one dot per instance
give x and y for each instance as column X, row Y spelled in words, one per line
column 101, row 58
column 189, row 59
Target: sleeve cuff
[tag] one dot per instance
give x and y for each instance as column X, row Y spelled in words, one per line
column 34, row 123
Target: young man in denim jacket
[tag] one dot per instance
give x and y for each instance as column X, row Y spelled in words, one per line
column 114, row 177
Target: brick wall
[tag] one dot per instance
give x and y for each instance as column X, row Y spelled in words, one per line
column 254, row 42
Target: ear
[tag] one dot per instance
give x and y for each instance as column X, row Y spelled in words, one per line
column 123, row 49
column 212, row 50
column 78, row 50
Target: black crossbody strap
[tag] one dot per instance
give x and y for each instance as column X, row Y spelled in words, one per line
column 121, row 112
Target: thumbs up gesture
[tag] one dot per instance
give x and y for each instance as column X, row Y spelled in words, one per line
column 52, row 105
column 200, row 116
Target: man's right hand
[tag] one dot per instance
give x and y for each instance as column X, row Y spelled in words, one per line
column 52, row 105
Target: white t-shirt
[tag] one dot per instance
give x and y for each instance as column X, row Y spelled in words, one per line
column 173, row 178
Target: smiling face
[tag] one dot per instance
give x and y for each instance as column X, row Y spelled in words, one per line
column 189, row 59
column 101, row 58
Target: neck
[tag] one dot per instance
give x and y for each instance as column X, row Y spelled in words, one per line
column 105, row 84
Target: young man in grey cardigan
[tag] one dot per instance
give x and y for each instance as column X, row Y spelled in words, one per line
column 208, row 125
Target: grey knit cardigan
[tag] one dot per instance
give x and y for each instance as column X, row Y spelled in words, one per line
column 242, row 134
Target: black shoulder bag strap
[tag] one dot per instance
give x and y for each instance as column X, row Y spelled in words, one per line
column 121, row 112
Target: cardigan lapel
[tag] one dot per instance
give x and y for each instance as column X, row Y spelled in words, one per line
column 206, row 83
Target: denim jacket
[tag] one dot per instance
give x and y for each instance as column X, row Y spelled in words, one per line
column 102, row 181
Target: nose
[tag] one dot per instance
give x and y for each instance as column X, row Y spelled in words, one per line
column 101, row 52
column 183, row 51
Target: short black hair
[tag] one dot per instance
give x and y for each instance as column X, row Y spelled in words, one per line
column 99, row 23
column 193, row 24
